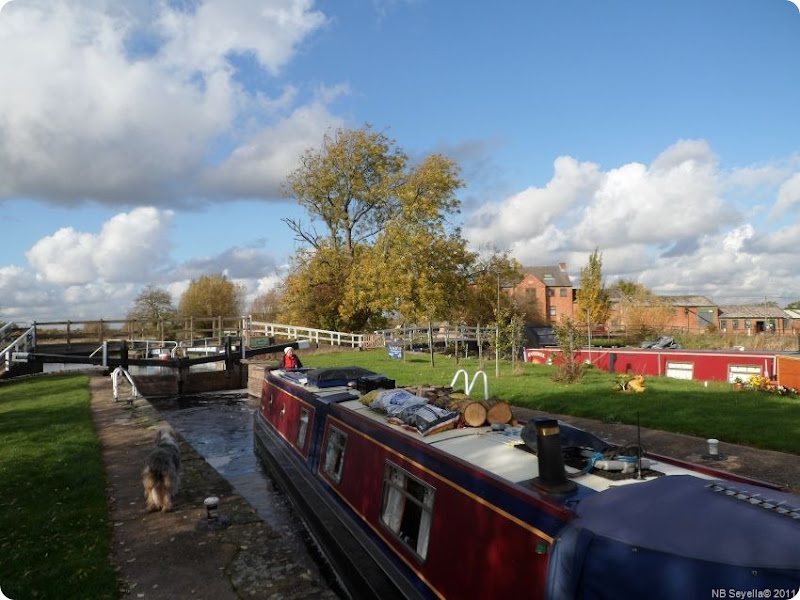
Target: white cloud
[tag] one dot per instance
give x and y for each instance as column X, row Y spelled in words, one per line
column 78, row 274
column 113, row 101
column 270, row 30
column 788, row 197
column 676, row 197
column 21, row 293
column 259, row 166
column 669, row 225
column 130, row 247
column 782, row 241
column 234, row 262
column 534, row 209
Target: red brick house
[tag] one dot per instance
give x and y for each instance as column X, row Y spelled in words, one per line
column 748, row 319
column 693, row 314
column 545, row 293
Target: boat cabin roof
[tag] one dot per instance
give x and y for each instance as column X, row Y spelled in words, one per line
column 497, row 451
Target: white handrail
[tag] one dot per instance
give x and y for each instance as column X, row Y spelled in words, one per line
column 485, row 384
column 336, row 338
column 26, row 340
column 468, row 386
column 455, row 378
column 115, row 382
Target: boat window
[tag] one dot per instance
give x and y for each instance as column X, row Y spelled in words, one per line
column 302, row 428
column 680, row 370
column 334, row 454
column 407, row 508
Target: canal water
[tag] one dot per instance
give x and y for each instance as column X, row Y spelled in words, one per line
column 219, row 426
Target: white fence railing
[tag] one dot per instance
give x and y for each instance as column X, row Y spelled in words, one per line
column 441, row 332
column 24, row 343
column 317, row 336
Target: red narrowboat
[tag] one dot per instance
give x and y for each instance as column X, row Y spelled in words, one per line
column 406, row 504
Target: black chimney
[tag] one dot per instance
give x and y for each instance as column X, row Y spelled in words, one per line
column 552, row 476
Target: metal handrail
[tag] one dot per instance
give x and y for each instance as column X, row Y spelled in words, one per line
column 26, row 340
column 115, row 375
column 468, row 386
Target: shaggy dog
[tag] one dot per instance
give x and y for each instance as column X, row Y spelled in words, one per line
column 162, row 472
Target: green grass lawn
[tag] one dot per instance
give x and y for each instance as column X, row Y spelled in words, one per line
column 745, row 417
column 54, row 514
column 55, row 538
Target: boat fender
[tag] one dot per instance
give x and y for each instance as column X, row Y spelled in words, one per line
column 615, row 465
column 623, row 466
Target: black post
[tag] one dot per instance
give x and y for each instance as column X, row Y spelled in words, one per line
column 228, row 354
column 552, row 475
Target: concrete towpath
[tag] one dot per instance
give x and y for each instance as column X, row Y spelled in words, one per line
column 181, row 554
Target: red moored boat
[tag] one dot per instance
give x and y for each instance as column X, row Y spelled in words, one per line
column 493, row 512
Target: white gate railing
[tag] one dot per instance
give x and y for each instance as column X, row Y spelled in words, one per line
column 24, row 343
column 318, row 336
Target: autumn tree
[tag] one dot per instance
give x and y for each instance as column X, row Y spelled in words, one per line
column 417, row 267
column 593, row 305
column 266, row 306
column 384, row 246
column 315, row 288
column 211, row 296
column 643, row 312
column 570, row 340
column 152, row 313
column 493, row 274
column 349, row 186
column 628, row 287
column 152, row 304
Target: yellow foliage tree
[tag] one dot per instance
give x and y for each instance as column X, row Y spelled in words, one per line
column 211, row 296
column 387, row 248
column 593, row 305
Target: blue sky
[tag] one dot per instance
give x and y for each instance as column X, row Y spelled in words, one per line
column 146, row 141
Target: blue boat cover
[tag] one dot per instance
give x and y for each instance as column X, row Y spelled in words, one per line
column 674, row 537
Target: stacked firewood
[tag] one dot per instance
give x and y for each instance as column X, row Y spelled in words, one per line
column 475, row 413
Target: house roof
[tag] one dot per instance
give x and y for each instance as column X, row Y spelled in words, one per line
column 793, row 314
column 687, row 300
column 551, row 276
column 752, row 311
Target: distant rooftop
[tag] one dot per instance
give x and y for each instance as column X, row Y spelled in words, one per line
column 752, row 311
column 550, row 275
column 688, row 300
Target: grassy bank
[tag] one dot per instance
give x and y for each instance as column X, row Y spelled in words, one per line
column 714, row 410
column 54, row 514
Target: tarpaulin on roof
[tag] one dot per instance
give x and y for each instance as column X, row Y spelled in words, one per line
column 674, row 537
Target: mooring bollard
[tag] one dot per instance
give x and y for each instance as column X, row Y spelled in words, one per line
column 713, row 447
column 212, row 504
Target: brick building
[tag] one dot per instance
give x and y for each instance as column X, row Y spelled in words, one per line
column 748, row 319
column 545, row 293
